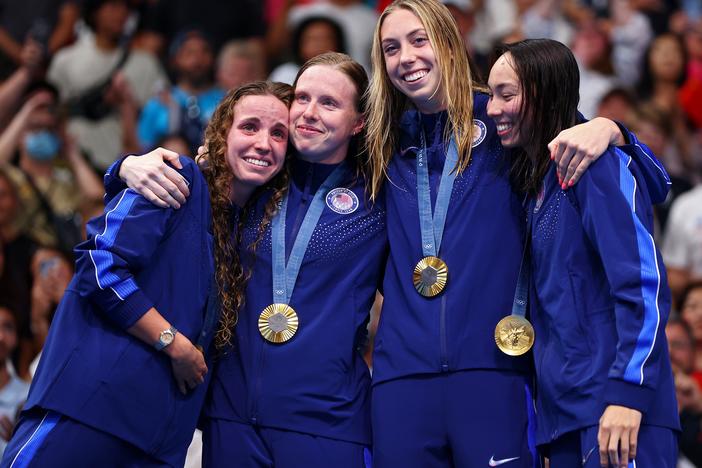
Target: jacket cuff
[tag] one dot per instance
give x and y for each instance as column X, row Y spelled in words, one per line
column 621, row 393
column 131, row 309
column 113, row 184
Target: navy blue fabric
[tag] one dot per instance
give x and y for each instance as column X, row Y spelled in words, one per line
column 482, row 247
column 464, row 418
column 47, row 439
column 136, row 257
column 599, row 301
column 316, row 383
column 657, row 446
column 241, row 445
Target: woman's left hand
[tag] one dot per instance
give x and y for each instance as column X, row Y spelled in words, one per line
column 618, row 435
column 575, row 148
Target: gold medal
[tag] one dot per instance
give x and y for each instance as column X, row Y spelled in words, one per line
column 514, row 335
column 278, row 323
column 430, row 276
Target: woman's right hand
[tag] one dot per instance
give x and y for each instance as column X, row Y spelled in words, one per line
column 188, row 363
column 151, row 177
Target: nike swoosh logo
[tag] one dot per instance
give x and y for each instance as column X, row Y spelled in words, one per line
column 494, row 462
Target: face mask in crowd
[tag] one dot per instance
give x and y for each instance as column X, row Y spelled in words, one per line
column 42, row 145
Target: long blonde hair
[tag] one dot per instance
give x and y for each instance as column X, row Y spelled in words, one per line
column 385, row 104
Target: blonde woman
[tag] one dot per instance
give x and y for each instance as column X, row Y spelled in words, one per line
column 443, row 393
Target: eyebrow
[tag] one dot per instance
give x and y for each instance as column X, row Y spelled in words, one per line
column 411, row 33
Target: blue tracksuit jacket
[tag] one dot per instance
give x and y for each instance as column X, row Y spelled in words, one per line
column 482, row 246
column 137, row 256
column 599, row 301
column 316, row 383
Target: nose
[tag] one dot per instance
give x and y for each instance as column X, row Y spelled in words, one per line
column 310, row 112
column 493, row 108
column 262, row 145
column 407, row 55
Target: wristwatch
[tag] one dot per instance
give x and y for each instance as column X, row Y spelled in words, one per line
column 165, row 338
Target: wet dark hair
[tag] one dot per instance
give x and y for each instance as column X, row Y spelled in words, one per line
column 300, row 29
column 549, row 81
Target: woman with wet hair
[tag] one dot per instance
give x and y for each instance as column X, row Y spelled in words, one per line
column 599, row 298
column 124, row 368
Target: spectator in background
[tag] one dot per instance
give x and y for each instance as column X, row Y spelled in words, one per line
column 187, row 107
column 240, row 61
column 313, row 36
column 655, row 130
column 16, row 252
column 104, row 84
column 691, row 92
column 52, row 176
column 52, row 272
column 688, row 388
column 13, row 88
column 592, row 50
column 664, row 73
column 49, row 22
column 546, row 19
column 691, row 313
column 618, row 104
column 682, row 243
column 223, row 20
column 630, row 33
column 13, row 390
column 356, row 19
column 494, row 20
column 463, row 12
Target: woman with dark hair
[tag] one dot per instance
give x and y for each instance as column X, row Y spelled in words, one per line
column 313, row 36
column 121, row 379
column 293, row 389
column 664, row 73
column 599, row 300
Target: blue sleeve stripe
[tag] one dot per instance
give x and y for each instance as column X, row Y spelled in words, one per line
column 650, row 280
column 102, row 258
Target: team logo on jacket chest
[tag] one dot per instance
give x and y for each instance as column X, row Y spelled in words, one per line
column 479, row 132
column 342, row 200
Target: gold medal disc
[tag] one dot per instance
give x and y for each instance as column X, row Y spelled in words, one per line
column 278, row 323
column 430, row 276
column 514, row 335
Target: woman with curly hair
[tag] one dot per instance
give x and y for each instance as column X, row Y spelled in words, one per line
column 121, row 379
column 293, row 389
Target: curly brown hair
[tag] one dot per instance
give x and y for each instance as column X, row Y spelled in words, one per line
column 229, row 272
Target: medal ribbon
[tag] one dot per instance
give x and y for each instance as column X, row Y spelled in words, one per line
column 521, row 293
column 284, row 276
column 433, row 226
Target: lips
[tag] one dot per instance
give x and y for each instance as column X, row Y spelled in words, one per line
column 415, row 75
column 503, row 128
column 307, row 129
column 257, row 162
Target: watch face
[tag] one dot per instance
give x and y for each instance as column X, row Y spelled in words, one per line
column 166, row 337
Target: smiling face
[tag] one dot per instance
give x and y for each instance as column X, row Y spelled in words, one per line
column 410, row 61
column 256, row 142
column 505, row 103
column 323, row 115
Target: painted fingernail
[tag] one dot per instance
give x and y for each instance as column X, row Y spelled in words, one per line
column 571, row 183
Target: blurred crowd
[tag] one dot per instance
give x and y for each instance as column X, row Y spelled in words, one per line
column 84, row 82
